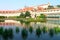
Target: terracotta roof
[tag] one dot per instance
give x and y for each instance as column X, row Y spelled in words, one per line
column 39, row 8
column 23, row 10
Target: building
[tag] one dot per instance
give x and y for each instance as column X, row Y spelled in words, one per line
column 34, row 10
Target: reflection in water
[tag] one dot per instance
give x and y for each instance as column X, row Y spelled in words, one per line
column 17, row 30
column 7, row 34
column 21, row 21
column 30, row 29
column 51, row 32
column 38, row 32
column 54, row 21
column 22, row 28
column 26, row 24
column 24, row 34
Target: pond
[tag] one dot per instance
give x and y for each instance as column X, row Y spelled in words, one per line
column 23, row 30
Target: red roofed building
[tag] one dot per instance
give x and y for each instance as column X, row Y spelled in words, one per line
column 34, row 10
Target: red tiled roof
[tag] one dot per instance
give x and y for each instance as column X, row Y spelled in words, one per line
column 39, row 8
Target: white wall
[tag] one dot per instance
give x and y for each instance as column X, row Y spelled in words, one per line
column 32, row 13
column 9, row 14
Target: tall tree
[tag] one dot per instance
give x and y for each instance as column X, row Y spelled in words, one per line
column 43, row 17
column 22, row 15
column 58, row 6
column 50, row 7
column 27, row 14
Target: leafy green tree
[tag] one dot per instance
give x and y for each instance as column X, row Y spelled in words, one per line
column 42, row 18
column 50, row 7
column 27, row 14
column 22, row 15
column 58, row 6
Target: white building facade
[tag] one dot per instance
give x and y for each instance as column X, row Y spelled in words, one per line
column 33, row 10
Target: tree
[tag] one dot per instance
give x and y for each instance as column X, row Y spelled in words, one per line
column 50, row 7
column 43, row 18
column 27, row 14
column 58, row 6
column 22, row 15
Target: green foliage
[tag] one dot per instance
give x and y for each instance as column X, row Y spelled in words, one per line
column 12, row 17
column 24, row 33
column 8, row 33
column 27, row 14
column 2, row 20
column 21, row 21
column 27, row 22
column 30, row 29
column 2, row 17
column 1, row 30
column 57, row 30
column 38, row 31
column 42, row 18
column 50, row 7
column 17, row 29
column 22, row 15
column 44, row 29
column 58, row 6
column 51, row 32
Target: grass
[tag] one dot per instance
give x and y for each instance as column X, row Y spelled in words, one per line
column 33, row 20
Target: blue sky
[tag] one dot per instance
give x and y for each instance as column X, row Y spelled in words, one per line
column 18, row 4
